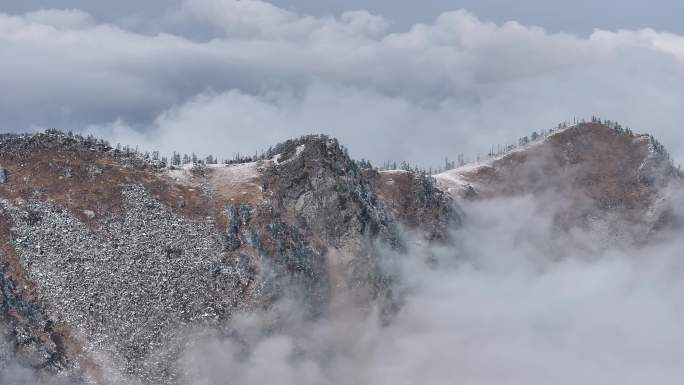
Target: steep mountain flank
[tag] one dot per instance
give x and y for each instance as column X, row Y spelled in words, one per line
column 588, row 172
column 416, row 200
column 108, row 260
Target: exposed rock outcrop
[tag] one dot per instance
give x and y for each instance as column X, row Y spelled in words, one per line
column 109, row 260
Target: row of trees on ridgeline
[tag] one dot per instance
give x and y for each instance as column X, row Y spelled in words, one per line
column 500, row 150
column 177, row 159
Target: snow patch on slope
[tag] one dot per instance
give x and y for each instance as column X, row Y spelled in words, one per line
column 298, row 152
column 455, row 182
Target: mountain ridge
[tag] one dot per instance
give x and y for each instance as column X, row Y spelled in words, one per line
column 595, row 169
column 107, row 257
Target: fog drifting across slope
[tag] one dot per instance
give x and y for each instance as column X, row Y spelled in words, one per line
column 514, row 303
column 16, row 374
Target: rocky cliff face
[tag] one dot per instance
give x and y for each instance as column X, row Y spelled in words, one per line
column 109, row 260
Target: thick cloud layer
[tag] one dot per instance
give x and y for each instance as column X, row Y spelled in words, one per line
column 225, row 76
column 532, row 307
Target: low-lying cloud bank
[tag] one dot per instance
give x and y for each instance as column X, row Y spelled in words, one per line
column 226, row 76
column 514, row 303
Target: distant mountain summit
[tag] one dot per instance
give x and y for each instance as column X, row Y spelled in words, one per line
column 586, row 171
column 108, row 257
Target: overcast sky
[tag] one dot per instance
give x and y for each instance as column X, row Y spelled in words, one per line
column 579, row 16
column 412, row 81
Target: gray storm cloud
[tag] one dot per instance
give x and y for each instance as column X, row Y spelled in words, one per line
column 223, row 76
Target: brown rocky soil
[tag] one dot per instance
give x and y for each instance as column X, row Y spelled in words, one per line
column 587, row 168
